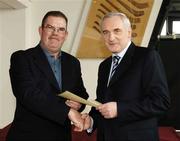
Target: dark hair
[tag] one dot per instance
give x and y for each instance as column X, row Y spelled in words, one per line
column 54, row 14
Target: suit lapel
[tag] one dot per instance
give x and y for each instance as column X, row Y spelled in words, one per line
column 124, row 64
column 65, row 68
column 42, row 63
column 106, row 70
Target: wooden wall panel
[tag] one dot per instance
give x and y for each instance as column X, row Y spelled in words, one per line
column 91, row 44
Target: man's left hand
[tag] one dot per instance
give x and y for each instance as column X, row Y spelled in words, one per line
column 108, row 110
column 73, row 104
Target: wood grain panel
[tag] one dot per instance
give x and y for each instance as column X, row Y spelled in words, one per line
column 91, row 44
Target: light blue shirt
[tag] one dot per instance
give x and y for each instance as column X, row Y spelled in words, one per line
column 55, row 64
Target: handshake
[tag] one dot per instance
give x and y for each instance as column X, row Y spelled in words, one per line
column 83, row 121
column 80, row 121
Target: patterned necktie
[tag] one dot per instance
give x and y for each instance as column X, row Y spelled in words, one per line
column 115, row 60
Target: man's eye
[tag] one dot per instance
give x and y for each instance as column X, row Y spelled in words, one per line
column 117, row 30
column 105, row 32
column 50, row 27
column 61, row 29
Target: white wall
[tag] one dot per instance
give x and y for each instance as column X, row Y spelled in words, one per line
column 89, row 73
column 12, row 38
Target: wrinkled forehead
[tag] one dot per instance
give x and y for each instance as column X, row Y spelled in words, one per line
column 112, row 22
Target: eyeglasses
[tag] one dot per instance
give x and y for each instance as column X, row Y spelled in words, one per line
column 51, row 28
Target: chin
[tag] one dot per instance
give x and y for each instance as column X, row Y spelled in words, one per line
column 114, row 51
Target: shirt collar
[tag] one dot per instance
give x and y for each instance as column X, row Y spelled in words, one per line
column 48, row 54
column 121, row 54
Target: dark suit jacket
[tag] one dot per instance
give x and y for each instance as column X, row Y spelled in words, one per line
column 139, row 87
column 40, row 114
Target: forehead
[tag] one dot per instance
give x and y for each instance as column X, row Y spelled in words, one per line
column 56, row 21
column 112, row 22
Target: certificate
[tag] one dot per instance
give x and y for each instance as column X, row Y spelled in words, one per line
column 71, row 96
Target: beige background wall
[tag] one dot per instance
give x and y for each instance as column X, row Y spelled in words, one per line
column 12, row 38
column 19, row 30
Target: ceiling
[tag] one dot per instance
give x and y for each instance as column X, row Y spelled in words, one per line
column 14, row 4
column 4, row 5
column 9, row 4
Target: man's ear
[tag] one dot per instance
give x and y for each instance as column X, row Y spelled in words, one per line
column 40, row 31
column 66, row 35
column 130, row 33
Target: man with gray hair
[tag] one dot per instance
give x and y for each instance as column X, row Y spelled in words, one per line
column 132, row 87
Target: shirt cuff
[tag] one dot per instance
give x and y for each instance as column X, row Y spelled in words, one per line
column 90, row 129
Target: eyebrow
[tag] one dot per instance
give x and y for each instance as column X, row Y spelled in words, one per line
column 55, row 27
column 113, row 29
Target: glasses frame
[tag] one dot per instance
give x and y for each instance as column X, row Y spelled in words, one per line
column 51, row 29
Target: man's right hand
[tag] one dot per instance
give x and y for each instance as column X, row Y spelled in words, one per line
column 76, row 119
column 87, row 121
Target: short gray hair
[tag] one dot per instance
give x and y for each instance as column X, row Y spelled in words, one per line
column 123, row 17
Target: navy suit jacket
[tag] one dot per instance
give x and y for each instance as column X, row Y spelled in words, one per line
column 40, row 114
column 140, row 89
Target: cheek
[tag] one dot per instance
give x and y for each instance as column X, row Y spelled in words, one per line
column 62, row 37
column 105, row 40
column 45, row 36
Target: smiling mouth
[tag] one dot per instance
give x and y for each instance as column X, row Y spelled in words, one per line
column 54, row 39
column 111, row 44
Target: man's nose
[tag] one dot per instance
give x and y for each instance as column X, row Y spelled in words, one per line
column 111, row 36
column 55, row 31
